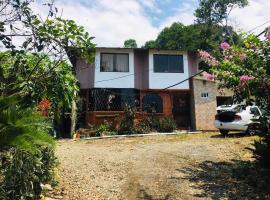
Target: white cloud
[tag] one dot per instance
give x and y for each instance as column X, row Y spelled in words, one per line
column 255, row 14
column 110, row 21
column 113, row 21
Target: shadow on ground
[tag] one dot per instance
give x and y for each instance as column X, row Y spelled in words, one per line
column 145, row 195
column 232, row 135
column 230, row 180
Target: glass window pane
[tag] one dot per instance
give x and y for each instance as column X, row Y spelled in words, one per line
column 106, row 64
column 160, row 63
column 121, row 63
column 176, row 64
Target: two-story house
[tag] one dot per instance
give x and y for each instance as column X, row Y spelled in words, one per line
column 139, row 77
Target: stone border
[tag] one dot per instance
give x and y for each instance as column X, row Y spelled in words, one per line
column 140, row 135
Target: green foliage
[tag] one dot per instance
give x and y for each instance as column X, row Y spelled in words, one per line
column 141, row 128
column 104, row 129
column 216, row 11
column 127, row 124
column 150, row 45
column 22, row 172
column 130, row 43
column 35, row 77
column 192, row 37
column 22, row 127
column 262, row 151
column 166, row 125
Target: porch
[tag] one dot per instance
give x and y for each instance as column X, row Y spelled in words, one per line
column 100, row 104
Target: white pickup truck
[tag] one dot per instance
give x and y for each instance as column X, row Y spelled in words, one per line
column 237, row 118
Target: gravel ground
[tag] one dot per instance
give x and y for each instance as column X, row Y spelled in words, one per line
column 155, row 167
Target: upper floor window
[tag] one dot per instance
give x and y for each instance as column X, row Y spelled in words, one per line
column 114, row 62
column 168, row 63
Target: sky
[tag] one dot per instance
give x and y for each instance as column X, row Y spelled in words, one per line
column 111, row 22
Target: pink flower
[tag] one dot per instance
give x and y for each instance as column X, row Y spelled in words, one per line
column 246, row 78
column 213, row 62
column 243, row 57
column 204, row 55
column 208, row 58
column 224, row 45
column 208, row 76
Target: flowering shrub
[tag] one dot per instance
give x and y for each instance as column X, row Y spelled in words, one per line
column 224, row 45
column 245, row 69
column 44, row 107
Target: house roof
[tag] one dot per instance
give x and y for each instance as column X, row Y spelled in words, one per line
column 140, row 49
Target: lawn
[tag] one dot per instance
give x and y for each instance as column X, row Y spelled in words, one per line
column 187, row 166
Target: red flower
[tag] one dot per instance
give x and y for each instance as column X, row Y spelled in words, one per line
column 44, row 106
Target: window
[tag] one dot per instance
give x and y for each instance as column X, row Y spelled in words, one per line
column 114, row 62
column 152, row 102
column 112, row 99
column 204, row 95
column 168, row 63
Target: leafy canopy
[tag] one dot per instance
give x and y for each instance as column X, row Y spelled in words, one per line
column 192, row 37
column 130, row 43
column 216, row 11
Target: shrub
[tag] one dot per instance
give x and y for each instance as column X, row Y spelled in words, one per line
column 26, row 151
column 141, row 128
column 166, row 125
column 127, row 124
column 262, row 151
column 104, row 129
column 22, row 172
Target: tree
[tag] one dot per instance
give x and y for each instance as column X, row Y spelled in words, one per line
column 51, row 38
column 216, row 11
column 130, row 43
column 150, row 44
column 192, row 37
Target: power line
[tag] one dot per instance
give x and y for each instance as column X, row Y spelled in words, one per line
column 184, row 80
column 259, row 26
column 119, row 77
column 111, row 79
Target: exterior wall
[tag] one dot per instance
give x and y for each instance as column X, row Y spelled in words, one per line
column 141, row 75
column 193, row 63
column 85, row 74
column 163, row 80
column 203, row 109
column 126, row 82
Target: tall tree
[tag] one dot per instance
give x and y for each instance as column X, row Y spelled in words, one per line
column 130, row 43
column 192, row 37
column 24, row 32
column 150, row 44
column 217, row 11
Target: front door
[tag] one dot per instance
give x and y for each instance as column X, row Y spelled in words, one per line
column 181, row 110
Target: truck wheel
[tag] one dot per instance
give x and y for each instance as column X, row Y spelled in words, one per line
column 223, row 132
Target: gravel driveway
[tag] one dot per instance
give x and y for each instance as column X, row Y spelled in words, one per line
column 156, row 167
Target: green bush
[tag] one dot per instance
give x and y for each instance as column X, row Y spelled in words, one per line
column 166, row 125
column 104, row 129
column 26, row 151
column 262, row 151
column 127, row 124
column 141, row 128
column 22, row 172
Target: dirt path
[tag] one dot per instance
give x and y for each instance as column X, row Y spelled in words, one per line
column 159, row 167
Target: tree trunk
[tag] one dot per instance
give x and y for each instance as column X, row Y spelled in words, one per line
column 73, row 118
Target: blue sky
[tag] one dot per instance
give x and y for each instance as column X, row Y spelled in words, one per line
column 113, row 21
